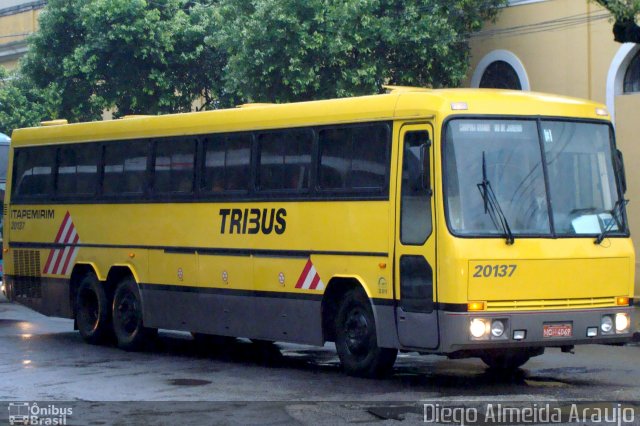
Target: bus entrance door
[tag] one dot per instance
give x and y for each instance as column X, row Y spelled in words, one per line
column 416, row 317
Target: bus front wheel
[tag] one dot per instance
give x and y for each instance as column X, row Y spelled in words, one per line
column 356, row 340
column 128, row 327
column 92, row 313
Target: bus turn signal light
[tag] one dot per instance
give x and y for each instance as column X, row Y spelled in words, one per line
column 475, row 306
column 132, row 255
column 622, row 301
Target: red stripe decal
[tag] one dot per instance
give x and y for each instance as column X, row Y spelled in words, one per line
column 46, row 265
column 57, row 240
column 303, row 275
column 69, row 255
column 64, row 223
column 314, row 282
column 66, row 238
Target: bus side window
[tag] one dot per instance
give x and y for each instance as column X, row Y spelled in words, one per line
column 125, row 166
column 284, row 160
column 174, row 165
column 415, row 203
column 78, row 170
column 33, row 172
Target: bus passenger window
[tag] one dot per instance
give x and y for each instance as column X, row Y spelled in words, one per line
column 227, row 163
column 78, row 170
column 125, row 168
column 33, row 172
column 355, row 157
column 174, row 165
column 285, row 160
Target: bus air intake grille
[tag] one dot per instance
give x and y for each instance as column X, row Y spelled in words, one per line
column 26, row 268
column 5, row 210
column 536, row 305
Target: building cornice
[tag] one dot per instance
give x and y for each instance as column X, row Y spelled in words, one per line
column 13, row 50
column 24, row 7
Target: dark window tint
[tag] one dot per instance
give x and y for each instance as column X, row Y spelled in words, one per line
column 174, row 166
column 227, row 161
column 125, row 167
column 500, row 75
column 415, row 208
column 632, row 75
column 354, row 157
column 78, row 170
column 416, row 284
column 33, row 172
column 285, row 160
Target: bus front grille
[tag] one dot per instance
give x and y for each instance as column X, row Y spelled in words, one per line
column 531, row 305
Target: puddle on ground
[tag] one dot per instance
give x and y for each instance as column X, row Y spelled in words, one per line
column 189, row 382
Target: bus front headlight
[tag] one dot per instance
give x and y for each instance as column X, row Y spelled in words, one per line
column 622, row 323
column 497, row 328
column 479, row 328
column 606, row 324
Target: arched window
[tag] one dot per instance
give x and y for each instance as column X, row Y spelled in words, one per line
column 500, row 75
column 632, row 75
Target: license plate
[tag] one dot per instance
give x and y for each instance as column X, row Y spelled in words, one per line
column 557, row 330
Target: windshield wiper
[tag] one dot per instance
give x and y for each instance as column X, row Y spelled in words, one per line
column 492, row 206
column 616, row 212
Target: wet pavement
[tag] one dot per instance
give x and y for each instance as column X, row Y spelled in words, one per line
column 43, row 359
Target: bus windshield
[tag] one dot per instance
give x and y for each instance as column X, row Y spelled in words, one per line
column 512, row 155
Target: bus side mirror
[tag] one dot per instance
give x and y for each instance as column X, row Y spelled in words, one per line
column 621, row 173
column 425, row 173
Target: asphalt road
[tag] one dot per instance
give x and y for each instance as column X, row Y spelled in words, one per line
column 42, row 359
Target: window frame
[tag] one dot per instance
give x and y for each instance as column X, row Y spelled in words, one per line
column 29, row 199
column 199, row 194
column 169, row 195
column 351, row 191
column 285, row 191
column 634, row 62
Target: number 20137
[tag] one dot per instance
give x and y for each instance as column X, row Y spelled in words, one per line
column 496, row 271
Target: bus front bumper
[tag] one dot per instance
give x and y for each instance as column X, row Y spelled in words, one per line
column 533, row 329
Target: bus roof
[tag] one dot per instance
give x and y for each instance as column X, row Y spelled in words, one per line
column 4, row 139
column 401, row 103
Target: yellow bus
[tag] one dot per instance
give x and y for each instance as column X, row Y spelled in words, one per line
column 467, row 223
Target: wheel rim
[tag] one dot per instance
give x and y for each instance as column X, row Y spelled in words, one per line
column 127, row 312
column 357, row 332
column 89, row 309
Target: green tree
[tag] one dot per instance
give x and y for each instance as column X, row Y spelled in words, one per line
column 283, row 50
column 626, row 14
column 22, row 104
column 135, row 56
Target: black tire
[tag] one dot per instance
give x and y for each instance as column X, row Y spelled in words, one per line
column 356, row 339
column 92, row 311
column 128, row 327
column 506, row 360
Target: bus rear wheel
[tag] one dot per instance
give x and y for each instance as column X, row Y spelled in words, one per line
column 509, row 359
column 131, row 334
column 92, row 313
column 356, row 339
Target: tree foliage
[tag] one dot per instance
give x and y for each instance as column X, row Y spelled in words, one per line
column 22, row 104
column 282, row 50
column 160, row 56
column 626, row 14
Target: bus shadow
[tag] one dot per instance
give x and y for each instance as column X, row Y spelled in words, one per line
column 418, row 373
